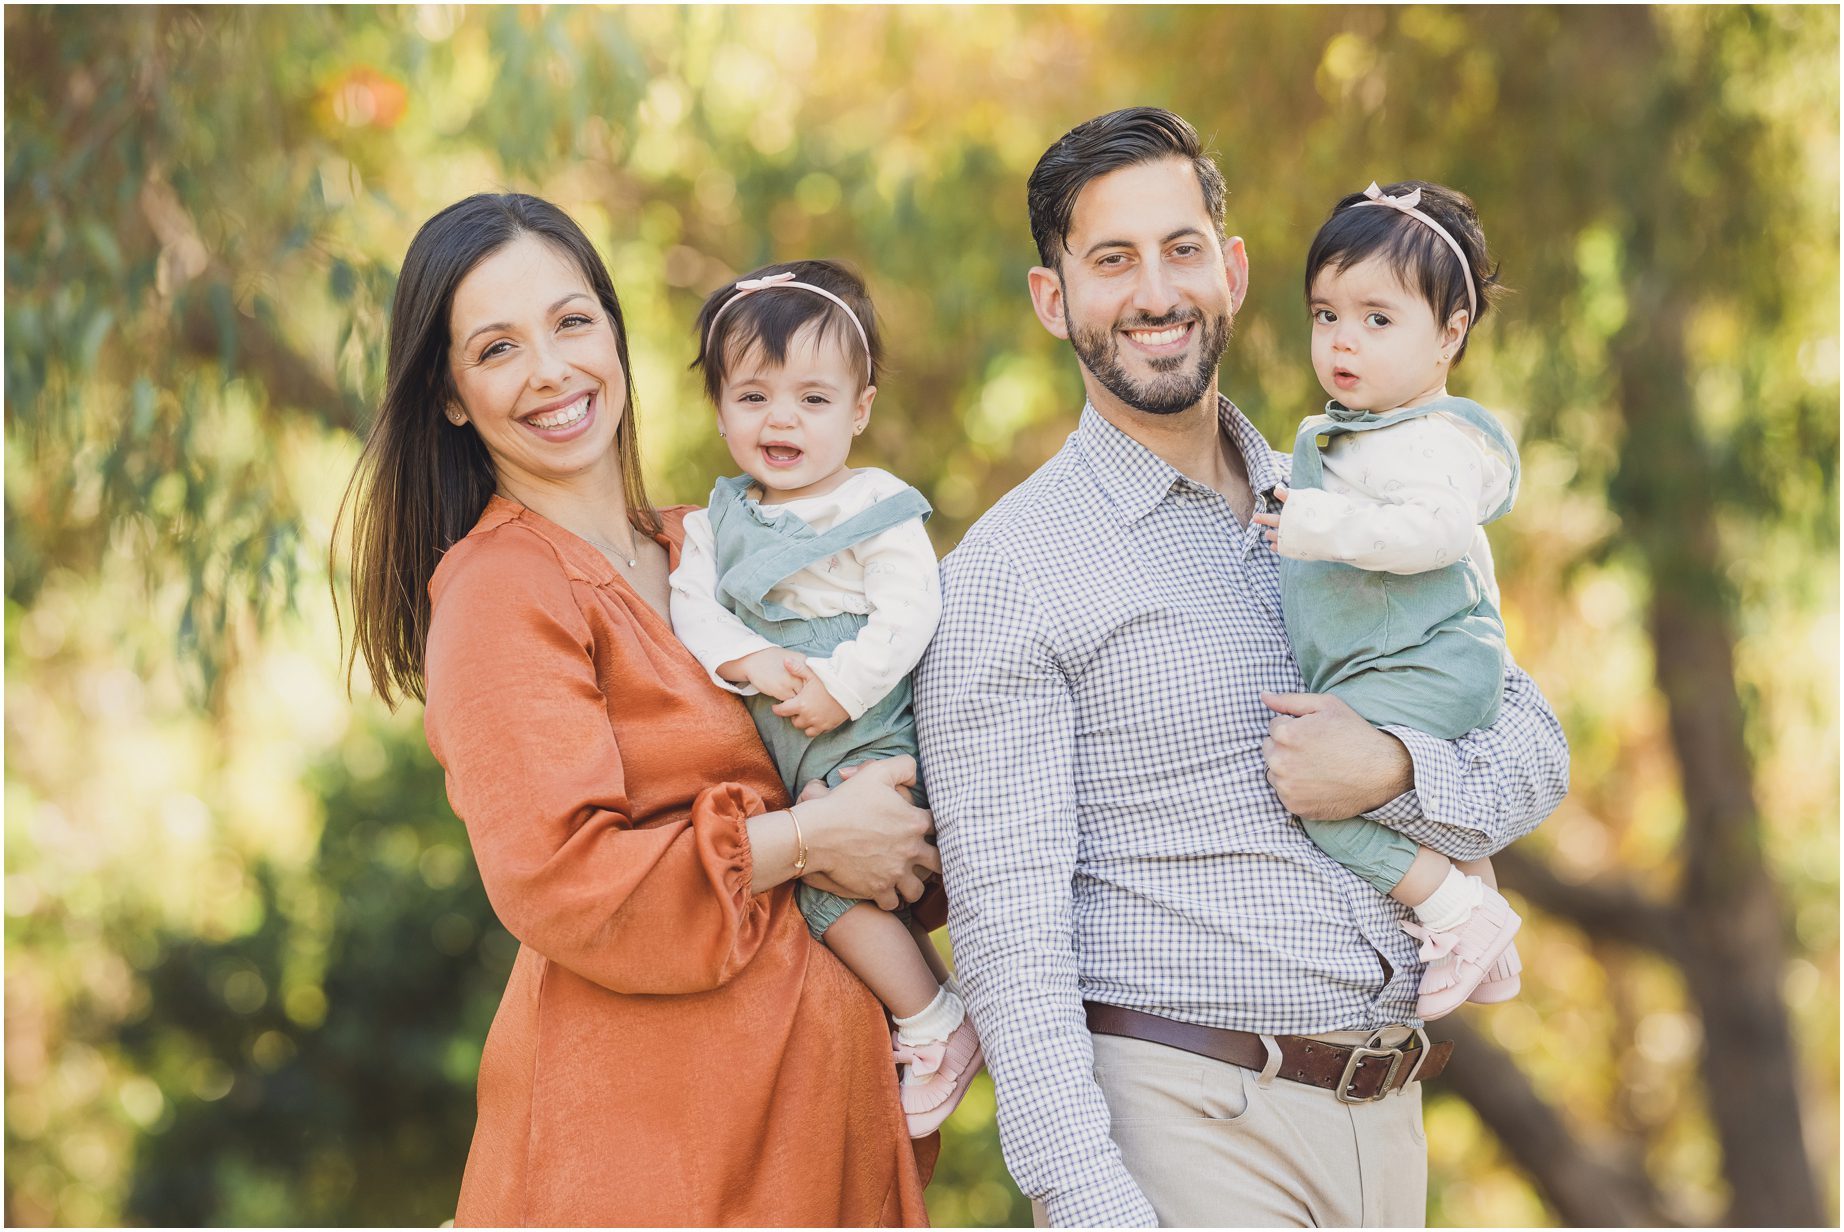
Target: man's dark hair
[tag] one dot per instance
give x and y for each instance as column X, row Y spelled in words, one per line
column 770, row 318
column 1107, row 143
column 1419, row 257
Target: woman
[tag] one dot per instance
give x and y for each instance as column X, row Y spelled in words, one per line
column 671, row 1048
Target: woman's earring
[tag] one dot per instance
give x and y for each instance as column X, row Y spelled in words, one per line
column 457, row 416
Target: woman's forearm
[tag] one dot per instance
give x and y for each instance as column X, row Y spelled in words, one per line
column 776, row 847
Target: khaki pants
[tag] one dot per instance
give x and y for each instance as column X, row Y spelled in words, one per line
column 1211, row 1147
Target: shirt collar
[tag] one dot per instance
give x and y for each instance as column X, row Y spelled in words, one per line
column 1135, row 479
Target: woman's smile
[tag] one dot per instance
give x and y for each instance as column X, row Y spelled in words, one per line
column 566, row 421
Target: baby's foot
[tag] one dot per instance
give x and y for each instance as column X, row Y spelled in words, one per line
column 1460, row 958
column 1501, row 983
column 936, row 1075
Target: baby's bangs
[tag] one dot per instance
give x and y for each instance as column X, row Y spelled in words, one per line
column 766, row 333
column 1418, row 257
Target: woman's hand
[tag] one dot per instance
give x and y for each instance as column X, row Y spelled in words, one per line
column 866, row 841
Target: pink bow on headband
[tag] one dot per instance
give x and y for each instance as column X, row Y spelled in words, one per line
column 1407, row 203
column 771, row 280
column 768, row 282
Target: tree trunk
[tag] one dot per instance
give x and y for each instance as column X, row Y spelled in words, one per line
column 1588, row 1185
column 1732, row 953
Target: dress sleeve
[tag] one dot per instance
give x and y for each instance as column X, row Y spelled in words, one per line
column 902, row 585
column 709, row 630
column 1426, row 487
column 518, row 721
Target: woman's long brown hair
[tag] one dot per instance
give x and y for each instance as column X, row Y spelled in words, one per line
column 422, row 483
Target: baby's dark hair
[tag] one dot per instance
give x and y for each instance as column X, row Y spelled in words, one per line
column 1420, row 258
column 770, row 318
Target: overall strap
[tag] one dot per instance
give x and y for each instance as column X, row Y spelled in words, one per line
column 800, row 546
column 1471, row 412
column 1317, row 431
column 726, row 500
column 1307, row 442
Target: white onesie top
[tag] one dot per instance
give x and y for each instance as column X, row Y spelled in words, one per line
column 1403, row 499
column 892, row 577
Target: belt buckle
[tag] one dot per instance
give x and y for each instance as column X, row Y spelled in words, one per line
column 1359, row 1055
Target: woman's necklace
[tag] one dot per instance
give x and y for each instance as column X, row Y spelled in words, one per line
column 628, row 556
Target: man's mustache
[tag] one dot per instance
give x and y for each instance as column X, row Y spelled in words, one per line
column 1170, row 318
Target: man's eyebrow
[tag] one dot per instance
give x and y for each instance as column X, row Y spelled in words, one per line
column 487, row 329
column 1098, row 245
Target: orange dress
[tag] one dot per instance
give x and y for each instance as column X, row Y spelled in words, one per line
column 670, row 1049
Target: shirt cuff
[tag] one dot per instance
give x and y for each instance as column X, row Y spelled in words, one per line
column 1113, row 1206
column 743, row 689
column 848, row 698
column 1407, row 807
column 731, row 686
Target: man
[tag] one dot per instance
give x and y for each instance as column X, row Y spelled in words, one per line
column 1173, row 984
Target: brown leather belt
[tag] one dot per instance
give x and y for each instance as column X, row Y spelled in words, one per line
column 1355, row 1074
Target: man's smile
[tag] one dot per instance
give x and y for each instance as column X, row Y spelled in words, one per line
column 1164, row 340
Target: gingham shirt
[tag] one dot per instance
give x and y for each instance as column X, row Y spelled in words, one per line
column 1091, row 729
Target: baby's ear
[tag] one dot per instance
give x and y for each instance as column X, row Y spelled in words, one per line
column 1457, row 325
column 861, row 414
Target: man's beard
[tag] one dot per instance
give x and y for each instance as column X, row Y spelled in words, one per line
column 1172, row 389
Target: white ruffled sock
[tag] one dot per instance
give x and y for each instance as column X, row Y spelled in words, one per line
column 1452, row 902
column 934, row 1022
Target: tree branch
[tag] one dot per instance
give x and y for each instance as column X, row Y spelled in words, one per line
column 1607, row 907
column 1578, row 1178
column 288, row 377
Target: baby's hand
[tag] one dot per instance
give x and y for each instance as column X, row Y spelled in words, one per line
column 771, row 671
column 813, row 710
column 1273, row 520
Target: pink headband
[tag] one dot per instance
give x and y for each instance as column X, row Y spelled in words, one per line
column 749, row 286
column 1407, row 203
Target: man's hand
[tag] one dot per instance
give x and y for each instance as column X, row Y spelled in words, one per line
column 771, row 671
column 812, row 709
column 1326, row 763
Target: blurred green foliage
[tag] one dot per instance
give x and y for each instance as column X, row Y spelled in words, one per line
column 249, row 966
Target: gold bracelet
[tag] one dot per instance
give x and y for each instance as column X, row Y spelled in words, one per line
column 800, row 844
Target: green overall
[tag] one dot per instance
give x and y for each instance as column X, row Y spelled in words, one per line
column 755, row 552
column 1421, row 650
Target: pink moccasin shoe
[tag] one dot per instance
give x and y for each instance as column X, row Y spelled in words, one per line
column 937, row 1075
column 1501, row 983
column 1461, row 959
